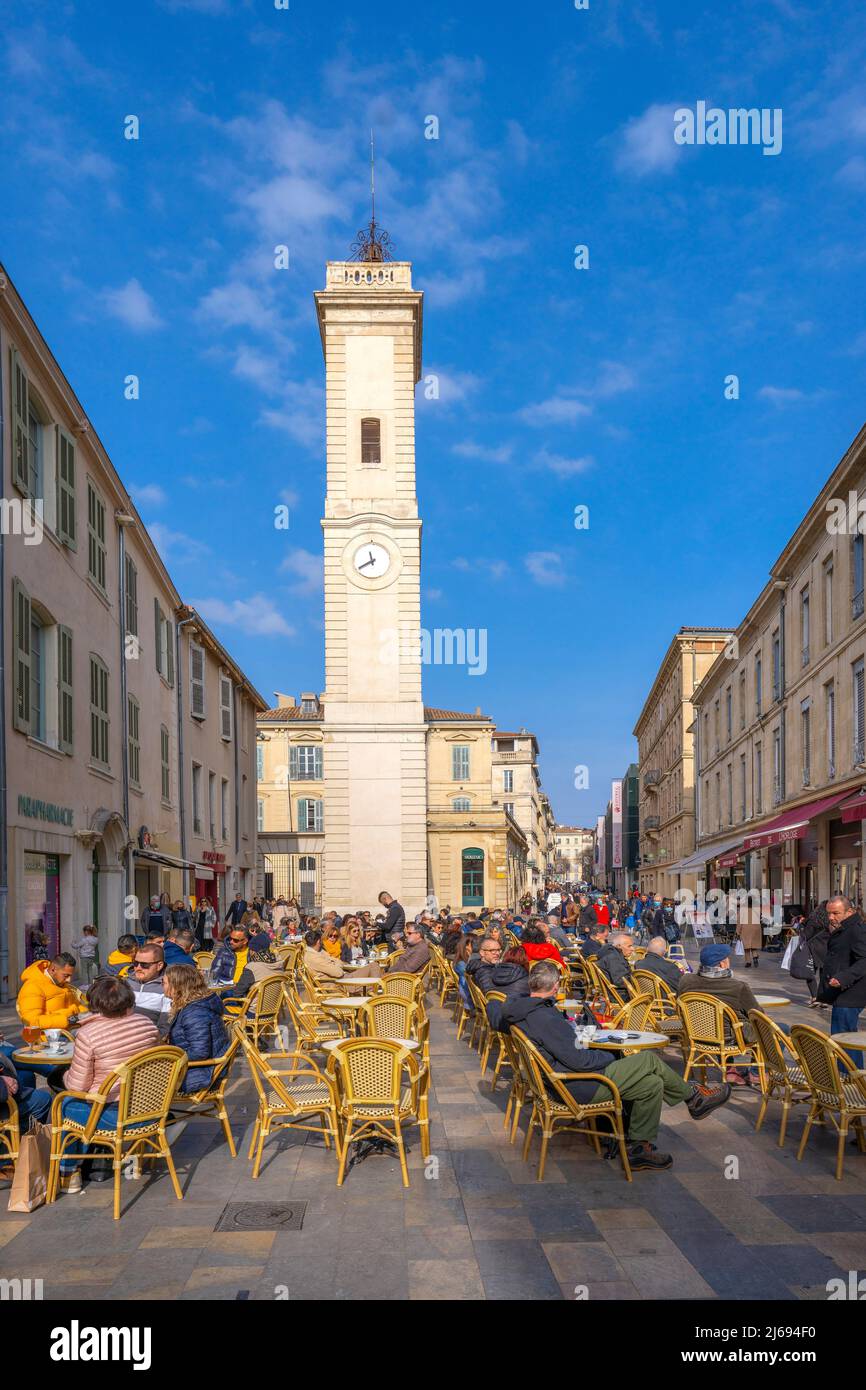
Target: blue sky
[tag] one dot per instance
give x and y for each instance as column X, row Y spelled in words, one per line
column 559, row 387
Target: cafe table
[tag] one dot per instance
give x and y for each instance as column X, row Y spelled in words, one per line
column 409, row 1043
column 772, row 1001
column 627, row 1040
column 42, row 1056
column 850, row 1040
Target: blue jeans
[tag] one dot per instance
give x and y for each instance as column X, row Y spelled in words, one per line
column 80, row 1110
column 30, row 1102
column 847, row 1021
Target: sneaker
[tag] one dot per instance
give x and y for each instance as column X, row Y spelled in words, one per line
column 705, row 1099
column 71, row 1183
column 646, row 1155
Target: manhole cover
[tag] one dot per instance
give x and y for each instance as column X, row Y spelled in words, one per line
column 262, row 1216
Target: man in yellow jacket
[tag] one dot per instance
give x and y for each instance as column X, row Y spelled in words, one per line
column 46, row 998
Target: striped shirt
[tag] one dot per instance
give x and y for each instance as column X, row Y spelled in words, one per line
column 101, row 1044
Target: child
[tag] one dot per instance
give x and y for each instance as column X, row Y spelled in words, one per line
column 120, row 960
column 87, row 950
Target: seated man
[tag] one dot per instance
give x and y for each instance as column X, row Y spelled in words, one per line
column 595, row 943
column 416, row 955
column 20, row 1086
column 715, row 976
column 230, row 967
column 655, row 961
column 482, row 965
column 614, row 959
column 46, row 998
column 180, row 946
column 120, row 961
column 317, row 961
column 145, row 980
column 557, row 934
column 643, row 1080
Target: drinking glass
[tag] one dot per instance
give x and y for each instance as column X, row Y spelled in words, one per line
column 31, row 1036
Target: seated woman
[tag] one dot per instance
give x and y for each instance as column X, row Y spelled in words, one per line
column 538, row 946
column 331, row 943
column 354, row 950
column 197, row 1023
column 511, row 975
column 459, row 961
column 112, row 1033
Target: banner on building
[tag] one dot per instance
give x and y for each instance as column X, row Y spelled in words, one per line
column 599, row 845
column 616, row 823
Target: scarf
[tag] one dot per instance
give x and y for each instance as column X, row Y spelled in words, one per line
column 716, row 972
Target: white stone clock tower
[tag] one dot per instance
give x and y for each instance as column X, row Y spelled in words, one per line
column 375, row 811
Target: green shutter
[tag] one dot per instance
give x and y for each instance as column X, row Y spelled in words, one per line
column 64, row 688
column 21, row 656
column 169, row 651
column 20, row 435
column 66, row 531
column 157, row 632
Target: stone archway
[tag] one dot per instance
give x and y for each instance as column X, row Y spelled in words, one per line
column 108, row 877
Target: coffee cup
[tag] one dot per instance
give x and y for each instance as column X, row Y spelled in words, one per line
column 55, row 1039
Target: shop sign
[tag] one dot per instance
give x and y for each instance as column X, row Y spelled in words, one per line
column 44, row 810
column 210, row 856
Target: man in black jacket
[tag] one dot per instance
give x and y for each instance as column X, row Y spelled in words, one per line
column 643, row 1080
column 596, row 942
column 613, row 960
column 843, row 979
column 395, row 917
column 587, row 919
column 655, row 961
column 481, row 966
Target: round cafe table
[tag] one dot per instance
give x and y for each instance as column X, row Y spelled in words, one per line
column 855, row 1040
column 342, row 1001
column 634, row 1042
column 569, row 1003
column 41, row 1056
column 408, row 1043
column 772, row 1001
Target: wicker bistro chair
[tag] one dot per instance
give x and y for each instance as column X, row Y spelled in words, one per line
column 603, row 988
column 204, row 960
column 505, row 1054
column 314, row 1024
column 780, row 1074
column 10, row 1131
column 389, row 1016
column 637, row 1016
column 838, row 1089
column 148, row 1083
column 713, row 1036
column 262, row 1008
column 554, row 1107
column 480, row 1022
column 405, row 986
column 289, row 1099
column 374, row 1099
column 210, row 1101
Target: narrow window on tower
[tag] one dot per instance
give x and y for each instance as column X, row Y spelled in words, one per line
column 371, row 443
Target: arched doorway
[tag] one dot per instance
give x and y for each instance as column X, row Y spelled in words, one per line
column 307, row 882
column 472, row 877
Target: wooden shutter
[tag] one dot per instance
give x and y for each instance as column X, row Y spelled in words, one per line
column 225, row 707
column 302, row 814
column 858, row 714
column 196, row 681
column 20, row 434
column 131, row 598
column 66, row 489
column 317, row 761
column 64, row 688
column 318, row 813
column 157, row 634
column 169, row 651
column 294, row 764
column 21, row 656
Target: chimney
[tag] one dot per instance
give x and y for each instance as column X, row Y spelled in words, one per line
column 284, row 701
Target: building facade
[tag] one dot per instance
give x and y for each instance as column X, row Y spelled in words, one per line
column 573, row 855
column 666, row 760
column 780, row 720
column 516, row 785
column 92, row 690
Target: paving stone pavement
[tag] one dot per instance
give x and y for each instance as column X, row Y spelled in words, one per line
column 481, row 1227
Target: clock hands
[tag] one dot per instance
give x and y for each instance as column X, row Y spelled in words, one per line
column 367, row 563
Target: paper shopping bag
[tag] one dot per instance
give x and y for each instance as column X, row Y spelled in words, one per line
column 30, row 1184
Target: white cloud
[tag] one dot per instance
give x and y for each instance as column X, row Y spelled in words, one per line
column 133, row 306
column 781, row 395
column 454, row 386
column 561, row 466
column 545, row 568
column 432, row 594
column 307, row 568
column 613, row 379
column 290, row 497
column 237, row 304
column 646, row 142
column 175, row 547
column 445, row 290
column 256, row 615
column 301, row 414
column 557, row 410
column 484, row 452
column 148, row 495
column 197, row 6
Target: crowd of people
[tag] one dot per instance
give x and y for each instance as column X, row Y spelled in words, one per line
column 150, row 988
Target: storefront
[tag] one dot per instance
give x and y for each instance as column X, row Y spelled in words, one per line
column 845, row 859
column 472, row 877
column 41, row 904
column 210, row 881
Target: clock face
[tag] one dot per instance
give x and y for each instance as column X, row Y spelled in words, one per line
column 371, row 561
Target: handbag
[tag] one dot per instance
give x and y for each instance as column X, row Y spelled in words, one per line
column 739, row 948
column 802, row 965
column 30, row 1183
column 789, row 951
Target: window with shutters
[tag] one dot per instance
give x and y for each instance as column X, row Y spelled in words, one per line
column 778, row 789
column 165, row 763
column 830, row 710
column 21, row 645
column 305, row 762
column 64, row 689
column 857, row 671
column 35, row 450
column 260, row 815
column 211, row 803
column 131, row 598
column 37, row 683
column 759, row 687
column 225, row 707
column 806, row 741
column 743, row 786
column 857, row 577
column 777, row 665
column 95, row 536
column 759, row 780
column 98, row 711
column 134, row 740
column 742, row 699
column 224, row 807
column 508, row 779
column 260, row 763
column 730, row 794
column 164, row 643
column 66, row 528
column 20, row 426
column 196, row 798
column 805, row 633
column 371, row 442
column 460, row 763
column 828, row 602
column 729, row 713
column 196, row 680
column 718, row 801
column 461, row 803
column 311, row 814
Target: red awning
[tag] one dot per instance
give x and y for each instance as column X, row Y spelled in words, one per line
column 854, row 808
column 728, row 861
column 793, row 824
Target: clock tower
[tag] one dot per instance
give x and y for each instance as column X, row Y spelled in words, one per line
column 375, row 793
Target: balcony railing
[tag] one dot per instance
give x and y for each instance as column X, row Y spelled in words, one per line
column 362, row 275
